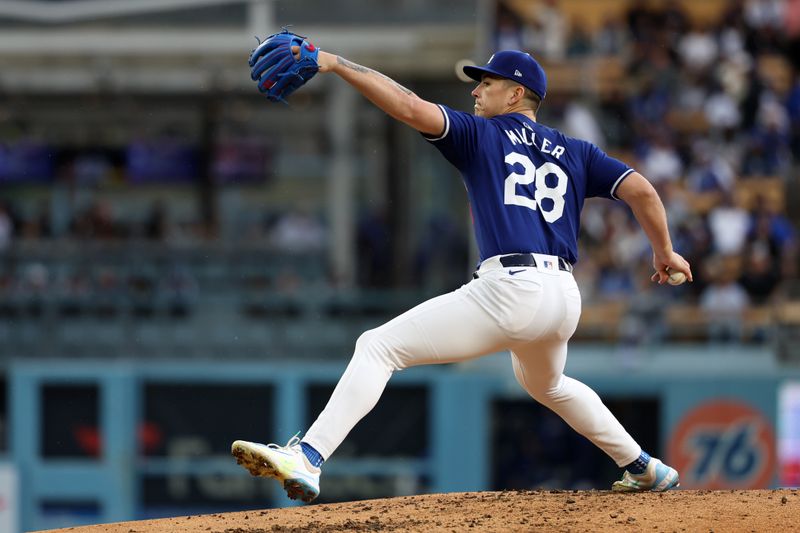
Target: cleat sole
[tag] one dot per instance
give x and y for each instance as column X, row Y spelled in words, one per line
column 259, row 466
column 255, row 465
column 296, row 489
column 619, row 487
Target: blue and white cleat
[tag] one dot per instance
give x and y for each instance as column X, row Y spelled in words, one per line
column 658, row 477
column 288, row 464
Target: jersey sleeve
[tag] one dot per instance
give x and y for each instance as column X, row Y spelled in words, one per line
column 603, row 173
column 460, row 140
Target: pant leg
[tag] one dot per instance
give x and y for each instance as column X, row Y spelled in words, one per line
column 449, row 328
column 539, row 366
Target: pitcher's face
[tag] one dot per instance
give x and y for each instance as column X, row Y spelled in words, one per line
column 492, row 96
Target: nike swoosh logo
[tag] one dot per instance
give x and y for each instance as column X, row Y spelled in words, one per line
column 512, row 272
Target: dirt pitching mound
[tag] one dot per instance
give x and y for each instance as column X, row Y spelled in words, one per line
column 539, row 510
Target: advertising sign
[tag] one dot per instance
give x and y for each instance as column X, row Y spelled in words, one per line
column 723, row 443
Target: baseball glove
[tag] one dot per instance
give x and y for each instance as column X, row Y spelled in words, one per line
column 276, row 69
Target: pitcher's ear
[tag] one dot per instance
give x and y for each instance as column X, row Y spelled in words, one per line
column 517, row 95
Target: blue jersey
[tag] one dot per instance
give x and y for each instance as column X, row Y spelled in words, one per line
column 526, row 182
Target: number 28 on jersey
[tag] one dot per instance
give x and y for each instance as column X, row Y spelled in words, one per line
column 551, row 211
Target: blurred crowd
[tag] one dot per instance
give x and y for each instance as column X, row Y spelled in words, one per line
column 292, row 229
column 709, row 112
column 707, row 108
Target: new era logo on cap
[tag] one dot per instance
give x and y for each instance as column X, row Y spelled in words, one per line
column 517, row 73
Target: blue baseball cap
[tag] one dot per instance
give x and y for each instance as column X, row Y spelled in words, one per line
column 517, row 66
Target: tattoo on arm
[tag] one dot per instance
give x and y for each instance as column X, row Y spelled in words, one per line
column 351, row 65
column 364, row 70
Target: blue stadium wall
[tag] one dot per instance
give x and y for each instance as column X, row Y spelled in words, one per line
column 153, row 441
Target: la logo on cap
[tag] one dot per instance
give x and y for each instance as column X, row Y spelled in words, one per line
column 517, row 73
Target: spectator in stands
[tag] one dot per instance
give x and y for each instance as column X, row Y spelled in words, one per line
column 616, row 119
column 615, row 257
column 614, row 283
column 764, row 14
column 643, row 324
column 649, row 105
column 587, row 276
column 772, row 230
column 761, row 275
column 732, row 14
column 768, row 147
column 722, row 111
column 733, row 73
column 692, row 93
column 724, row 301
column 610, row 39
column 728, row 145
column 698, row 48
column 549, row 36
column 673, row 18
column 731, row 36
column 750, row 101
column 764, row 39
column 708, row 172
column 580, row 122
column 664, row 70
column 640, row 19
column 299, row 230
column 729, row 224
column 579, row 42
column 508, row 32
column 694, row 237
column 593, row 229
column 629, row 245
column 661, row 161
column 675, row 202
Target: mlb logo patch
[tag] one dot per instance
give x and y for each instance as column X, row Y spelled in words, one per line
column 546, row 264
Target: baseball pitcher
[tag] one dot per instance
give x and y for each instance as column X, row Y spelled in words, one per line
column 526, row 184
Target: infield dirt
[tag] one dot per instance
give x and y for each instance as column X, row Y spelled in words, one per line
column 540, row 510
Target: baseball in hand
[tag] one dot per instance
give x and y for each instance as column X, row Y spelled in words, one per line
column 676, row 278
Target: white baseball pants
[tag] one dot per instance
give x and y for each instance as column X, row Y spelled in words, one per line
column 532, row 313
